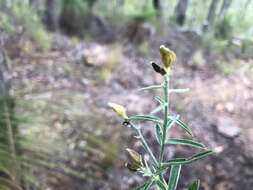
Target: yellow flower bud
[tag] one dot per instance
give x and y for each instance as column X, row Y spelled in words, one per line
column 119, row 109
column 168, row 57
column 135, row 160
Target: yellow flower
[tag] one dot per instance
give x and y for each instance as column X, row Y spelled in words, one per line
column 119, row 109
column 168, row 57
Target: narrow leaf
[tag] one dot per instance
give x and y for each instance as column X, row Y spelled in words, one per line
column 201, row 155
column 182, row 161
column 158, row 133
column 153, row 87
column 5, row 172
column 146, row 118
column 179, row 90
column 160, row 184
column 182, row 125
column 195, row 185
column 174, row 177
column 144, row 186
column 161, row 105
column 171, row 121
column 157, row 109
column 186, row 142
column 146, row 164
column 9, row 184
column 176, row 161
column 159, row 100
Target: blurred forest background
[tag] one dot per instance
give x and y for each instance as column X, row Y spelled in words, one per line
column 61, row 61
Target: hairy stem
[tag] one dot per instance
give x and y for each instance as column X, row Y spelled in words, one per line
column 165, row 121
column 144, row 143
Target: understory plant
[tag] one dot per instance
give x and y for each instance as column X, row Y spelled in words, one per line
column 159, row 172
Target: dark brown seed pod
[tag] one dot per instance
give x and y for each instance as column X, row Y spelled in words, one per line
column 158, row 69
column 126, row 123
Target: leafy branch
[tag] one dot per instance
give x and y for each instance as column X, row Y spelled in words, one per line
column 159, row 166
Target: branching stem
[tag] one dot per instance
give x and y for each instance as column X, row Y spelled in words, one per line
column 144, row 142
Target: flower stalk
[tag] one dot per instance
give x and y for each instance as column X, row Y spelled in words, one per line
column 144, row 142
column 165, row 121
column 158, row 168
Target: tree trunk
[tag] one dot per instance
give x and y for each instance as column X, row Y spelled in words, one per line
column 211, row 15
column 157, row 6
column 52, row 14
column 180, row 11
column 224, row 7
column 247, row 3
column 161, row 23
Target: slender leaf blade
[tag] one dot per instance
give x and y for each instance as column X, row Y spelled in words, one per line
column 161, row 105
column 157, row 109
column 146, row 118
column 182, row 125
column 153, row 87
column 6, row 172
column 195, row 185
column 160, row 184
column 169, row 163
column 174, row 177
column 182, row 161
column 179, row 90
column 159, row 100
column 144, row 186
column 158, row 133
column 169, row 123
column 201, row 155
column 9, row 184
column 186, row 142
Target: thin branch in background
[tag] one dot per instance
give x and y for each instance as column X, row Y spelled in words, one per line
column 224, row 8
column 210, row 16
column 180, row 11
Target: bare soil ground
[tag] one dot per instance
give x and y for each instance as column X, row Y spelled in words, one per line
column 65, row 92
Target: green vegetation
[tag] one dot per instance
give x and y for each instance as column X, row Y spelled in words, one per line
column 64, row 53
column 230, row 21
column 9, row 162
column 156, row 168
column 19, row 18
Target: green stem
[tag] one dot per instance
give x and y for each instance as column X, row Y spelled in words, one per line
column 165, row 121
column 144, row 143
